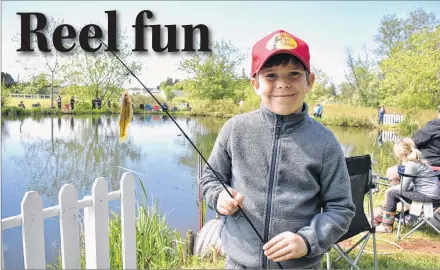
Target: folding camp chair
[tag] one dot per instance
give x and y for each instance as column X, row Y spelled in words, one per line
column 359, row 169
column 424, row 210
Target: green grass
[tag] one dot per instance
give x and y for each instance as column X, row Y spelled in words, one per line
column 44, row 102
column 401, row 260
column 342, row 111
column 346, row 121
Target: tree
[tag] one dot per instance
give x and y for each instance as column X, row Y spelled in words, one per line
column 5, row 93
column 412, row 72
column 51, row 64
column 169, row 85
column 212, row 75
column 101, row 70
column 360, row 78
column 323, row 89
column 393, row 30
column 7, row 79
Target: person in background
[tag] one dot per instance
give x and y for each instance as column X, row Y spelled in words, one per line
column 381, row 113
column 59, row 101
column 320, row 109
column 99, row 103
column 424, row 188
column 72, row 103
column 427, row 140
column 315, row 110
column 21, row 105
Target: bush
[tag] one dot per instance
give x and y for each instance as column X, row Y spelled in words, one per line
column 347, row 121
column 407, row 126
column 217, row 107
column 180, row 100
column 141, row 99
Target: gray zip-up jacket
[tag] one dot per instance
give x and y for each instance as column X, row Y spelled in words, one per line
column 426, row 183
column 287, row 168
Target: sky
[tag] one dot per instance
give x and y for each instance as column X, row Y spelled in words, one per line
column 329, row 28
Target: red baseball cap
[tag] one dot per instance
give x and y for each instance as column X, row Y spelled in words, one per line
column 277, row 42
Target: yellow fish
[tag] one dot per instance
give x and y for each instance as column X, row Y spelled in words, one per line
column 125, row 116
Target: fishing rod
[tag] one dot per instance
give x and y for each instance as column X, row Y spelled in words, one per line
column 186, row 136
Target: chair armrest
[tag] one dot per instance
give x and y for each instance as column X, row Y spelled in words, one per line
column 418, row 176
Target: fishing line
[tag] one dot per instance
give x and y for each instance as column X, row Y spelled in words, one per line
column 186, row 136
column 163, row 183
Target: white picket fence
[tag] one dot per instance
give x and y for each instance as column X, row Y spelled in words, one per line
column 96, row 219
column 25, row 96
column 389, row 136
column 392, row 119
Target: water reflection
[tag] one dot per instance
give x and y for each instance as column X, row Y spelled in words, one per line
column 52, row 158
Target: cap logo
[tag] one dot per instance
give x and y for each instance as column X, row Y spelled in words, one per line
column 281, row 41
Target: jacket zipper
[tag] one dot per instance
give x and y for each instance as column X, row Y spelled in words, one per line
column 270, row 190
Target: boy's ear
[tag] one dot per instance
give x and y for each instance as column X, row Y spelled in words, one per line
column 255, row 83
column 311, row 81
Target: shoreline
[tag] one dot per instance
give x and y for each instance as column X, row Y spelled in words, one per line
column 340, row 120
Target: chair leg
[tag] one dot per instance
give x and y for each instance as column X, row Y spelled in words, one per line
column 353, row 247
column 414, row 229
column 432, row 225
column 329, row 262
column 402, row 217
column 358, row 256
column 374, row 251
column 372, row 220
column 420, row 223
column 341, row 252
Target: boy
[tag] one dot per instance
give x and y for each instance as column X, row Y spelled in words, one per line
column 281, row 167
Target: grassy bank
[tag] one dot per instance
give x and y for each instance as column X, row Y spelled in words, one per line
column 340, row 112
column 333, row 114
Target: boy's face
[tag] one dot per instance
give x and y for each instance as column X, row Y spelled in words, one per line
column 283, row 88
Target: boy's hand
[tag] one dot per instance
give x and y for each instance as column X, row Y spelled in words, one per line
column 228, row 206
column 285, row 246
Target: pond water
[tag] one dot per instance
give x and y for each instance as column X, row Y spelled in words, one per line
column 44, row 153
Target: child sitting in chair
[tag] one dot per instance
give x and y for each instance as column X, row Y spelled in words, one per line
column 424, row 188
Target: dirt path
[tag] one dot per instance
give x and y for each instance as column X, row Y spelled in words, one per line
column 408, row 245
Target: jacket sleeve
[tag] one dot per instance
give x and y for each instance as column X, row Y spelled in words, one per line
column 410, row 169
column 220, row 161
column 338, row 209
column 421, row 137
